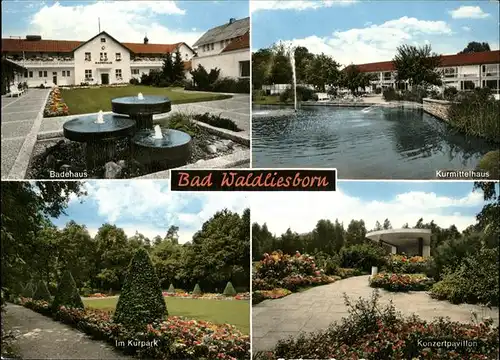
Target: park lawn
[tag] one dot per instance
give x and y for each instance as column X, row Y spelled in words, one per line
column 234, row 312
column 91, row 100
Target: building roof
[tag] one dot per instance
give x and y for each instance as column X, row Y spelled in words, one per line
column 478, row 58
column 65, row 46
column 229, row 30
column 240, row 43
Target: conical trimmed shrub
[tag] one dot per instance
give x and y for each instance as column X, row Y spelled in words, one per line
column 29, row 290
column 229, row 289
column 42, row 293
column 67, row 293
column 197, row 290
column 141, row 300
column 171, row 289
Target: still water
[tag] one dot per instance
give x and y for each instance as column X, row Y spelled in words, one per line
column 383, row 143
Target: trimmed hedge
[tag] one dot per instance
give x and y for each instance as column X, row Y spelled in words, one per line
column 42, row 293
column 401, row 282
column 197, row 290
column 141, row 300
column 67, row 293
column 229, row 289
column 171, row 289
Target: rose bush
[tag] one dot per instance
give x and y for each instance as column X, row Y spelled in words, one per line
column 55, row 104
column 261, row 295
column 401, row 282
column 402, row 264
column 174, row 337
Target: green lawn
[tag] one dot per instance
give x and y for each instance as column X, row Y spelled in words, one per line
column 235, row 312
column 91, row 100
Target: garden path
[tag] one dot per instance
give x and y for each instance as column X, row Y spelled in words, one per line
column 21, row 121
column 39, row 337
column 315, row 309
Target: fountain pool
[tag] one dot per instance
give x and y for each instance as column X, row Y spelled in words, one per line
column 383, row 143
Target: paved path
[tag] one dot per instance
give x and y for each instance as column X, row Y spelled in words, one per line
column 39, row 337
column 318, row 307
column 21, row 120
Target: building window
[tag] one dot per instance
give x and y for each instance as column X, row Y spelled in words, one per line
column 467, row 85
column 187, row 56
column 63, row 73
column 118, row 73
column 103, row 40
column 245, row 68
column 45, row 74
column 88, row 57
column 118, row 56
column 212, row 46
column 26, row 74
column 40, row 74
column 88, row 74
column 450, row 72
column 135, row 71
column 104, row 56
column 387, row 76
column 31, row 74
column 492, row 84
column 490, row 70
column 68, row 73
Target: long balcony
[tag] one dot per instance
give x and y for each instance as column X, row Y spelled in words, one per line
column 138, row 62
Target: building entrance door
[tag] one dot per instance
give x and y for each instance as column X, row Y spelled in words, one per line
column 104, row 79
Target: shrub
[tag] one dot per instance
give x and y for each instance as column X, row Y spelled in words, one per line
column 86, row 291
column 171, row 289
column 329, row 264
column 472, row 282
column 345, row 273
column 42, row 293
column 450, row 93
column 390, row 94
column 203, row 79
column 401, row 282
column 67, row 293
column 490, row 162
column 476, row 113
column 261, row 295
column 402, row 264
column 134, row 81
column 229, row 289
column 228, row 85
column 182, row 122
column 197, row 290
column 303, row 94
column 362, row 256
column 378, row 90
column 29, row 289
column 141, row 300
column 217, row 121
column 374, row 332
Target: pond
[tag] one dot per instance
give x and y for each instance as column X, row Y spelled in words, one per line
column 379, row 143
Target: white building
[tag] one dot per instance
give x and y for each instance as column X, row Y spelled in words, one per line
column 412, row 242
column 461, row 71
column 226, row 47
column 100, row 60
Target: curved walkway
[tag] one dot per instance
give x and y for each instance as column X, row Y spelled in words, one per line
column 316, row 308
column 39, row 337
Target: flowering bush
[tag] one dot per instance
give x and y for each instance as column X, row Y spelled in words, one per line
column 371, row 332
column 173, row 338
column 278, row 270
column 401, row 282
column 55, row 104
column 402, row 264
column 98, row 295
column 261, row 295
column 211, row 296
column 345, row 273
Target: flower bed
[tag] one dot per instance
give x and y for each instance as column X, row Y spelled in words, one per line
column 97, row 295
column 345, row 273
column 174, row 338
column 261, row 295
column 211, row 296
column 408, row 265
column 401, row 282
column 55, row 104
column 278, row 270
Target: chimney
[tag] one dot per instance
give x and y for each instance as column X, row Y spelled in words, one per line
column 146, row 40
column 232, row 20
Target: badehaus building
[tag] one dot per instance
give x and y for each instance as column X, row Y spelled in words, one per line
column 461, row 71
column 100, row 60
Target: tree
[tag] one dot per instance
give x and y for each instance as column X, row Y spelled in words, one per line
column 261, row 67
column 173, row 234
column 281, row 68
column 475, row 46
column 387, row 224
column 327, row 237
column 171, row 289
column 353, row 79
column 229, row 289
column 356, row 232
column 67, row 293
column 418, row 66
column 167, row 71
column 141, row 300
column 177, row 68
column 302, row 59
column 378, row 226
column 203, row 79
column 197, row 289
column 321, row 71
column 263, row 241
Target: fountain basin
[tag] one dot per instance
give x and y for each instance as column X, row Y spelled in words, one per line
column 173, row 150
column 142, row 110
column 100, row 138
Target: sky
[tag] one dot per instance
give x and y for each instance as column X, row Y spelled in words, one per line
column 446, row 203
column 148, row 207
column 360, row 31
column 164, row 22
